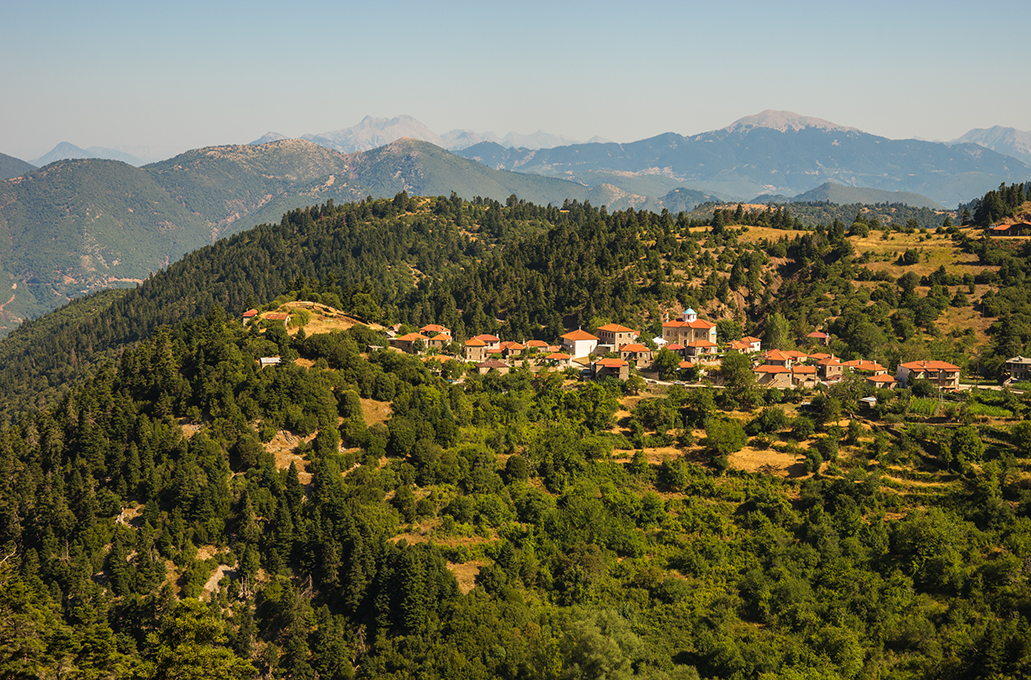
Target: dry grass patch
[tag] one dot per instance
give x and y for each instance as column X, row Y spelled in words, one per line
column 324, row 319
column 375, row 411
column 937, row 251
column 759, row 233
column 769, row 461
column 466, row 574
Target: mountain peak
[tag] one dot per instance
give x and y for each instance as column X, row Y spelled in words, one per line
column 266, row 138
column 784, row 121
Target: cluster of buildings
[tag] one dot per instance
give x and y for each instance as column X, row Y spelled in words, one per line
column 790, row 368
column 616, row 349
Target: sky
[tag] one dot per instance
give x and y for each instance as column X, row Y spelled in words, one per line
column 167, row 77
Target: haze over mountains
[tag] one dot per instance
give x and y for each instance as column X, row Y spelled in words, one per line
column 374, row 132
column 742, row 160
column 774, row 152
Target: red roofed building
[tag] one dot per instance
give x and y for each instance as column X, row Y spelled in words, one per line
column 249, row 314
column 487, row 366
column 866, row 367
column 830, row 369
column 1015, row 229
column 277, row 316
column 406, row 343
column 434, row 329
column 439, row 341
column 636, row 354
column 818, row 338
column 558, row 359
column 881, row 380
column 677, row 348
column 775, row 357
column 476, row 350
column 615, row 335
column 701, row 348
column 689, row 329
column 803, row 376
column 756, row 343
column 492, row 342
column 941, row 373
column 604, row 368
column 512, row 349
column 770, row 375
column 579, row 343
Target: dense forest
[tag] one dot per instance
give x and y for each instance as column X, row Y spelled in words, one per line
column 169, row 509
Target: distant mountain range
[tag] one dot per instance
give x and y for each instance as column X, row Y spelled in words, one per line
column 68, row 151
column 371, row 133
column 774, row 152
column 1005, row 140
column 831, row 192
column 771, row 153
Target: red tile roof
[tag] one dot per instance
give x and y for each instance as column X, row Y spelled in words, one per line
column 579, row 334
column 771, row 369
column 634, row 347
column 616, row 328
column 864, row 365
column 930, row 366
column 883, row 378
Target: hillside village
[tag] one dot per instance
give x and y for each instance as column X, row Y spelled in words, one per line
column 619, row 352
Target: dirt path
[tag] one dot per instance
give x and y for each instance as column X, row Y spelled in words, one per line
column 7, row 303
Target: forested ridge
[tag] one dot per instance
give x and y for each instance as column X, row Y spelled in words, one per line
column 173, row 510
column 528, row 270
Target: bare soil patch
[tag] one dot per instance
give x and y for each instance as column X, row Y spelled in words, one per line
column 216, row 577
column 282, row 449
column 189, row 429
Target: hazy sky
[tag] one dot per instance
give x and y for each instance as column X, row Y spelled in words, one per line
column 181, row 75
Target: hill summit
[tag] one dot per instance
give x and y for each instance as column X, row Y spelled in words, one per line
column 784, row 121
